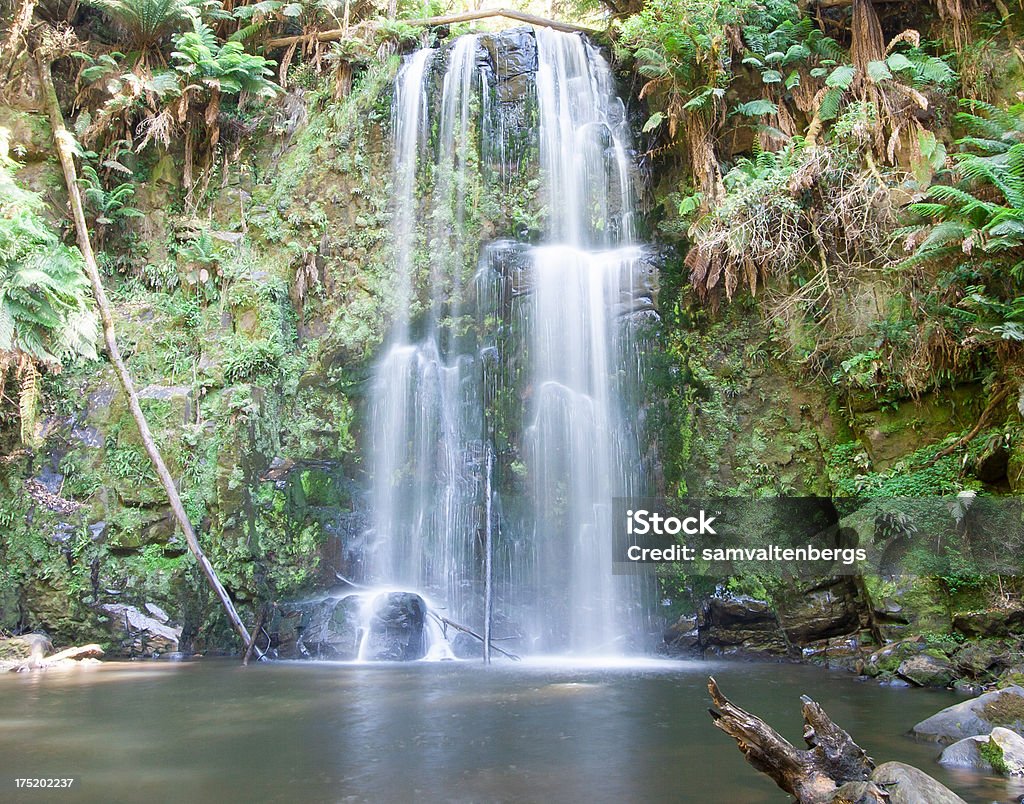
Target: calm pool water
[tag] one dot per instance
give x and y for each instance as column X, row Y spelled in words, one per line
column 213, row 731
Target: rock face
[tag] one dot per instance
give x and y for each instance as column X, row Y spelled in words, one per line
column 397, row 628
column 906, row 784
column 824, row 611
column 24, row 647
column 1002, row 751
column 741, row 625
column 139, row 633
column 977, row 716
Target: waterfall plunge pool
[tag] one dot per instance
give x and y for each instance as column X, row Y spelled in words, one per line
column 544, row 731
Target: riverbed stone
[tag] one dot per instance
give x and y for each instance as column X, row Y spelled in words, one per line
column 906, row 784
column 977, row 753
column 926, row 671
column 977, row 716
column 822, row 611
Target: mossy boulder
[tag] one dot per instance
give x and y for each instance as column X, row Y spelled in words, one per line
column 1001, row 751
column 975, row 717
column 926, row 671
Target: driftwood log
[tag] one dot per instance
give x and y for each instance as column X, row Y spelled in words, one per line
column 811, row 775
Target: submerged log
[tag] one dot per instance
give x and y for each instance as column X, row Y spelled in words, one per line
column 811, row 775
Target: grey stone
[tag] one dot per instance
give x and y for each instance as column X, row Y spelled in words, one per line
column 926, row 671
column 140, row 633
column 967, row 753
column 974, row 717
column 906, row 784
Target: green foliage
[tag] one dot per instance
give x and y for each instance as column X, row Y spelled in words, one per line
column 147, row 21
column 227, row 67
column 45, row 300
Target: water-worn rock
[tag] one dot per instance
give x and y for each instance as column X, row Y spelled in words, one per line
column 139, row 633
column 905, row 784
column 926, row 671
column 397, row 628
column 975, row 717
column 887, row 659
column 328, row 628
column 1004, row 746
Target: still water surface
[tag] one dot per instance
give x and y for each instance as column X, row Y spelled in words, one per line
column 429, row 732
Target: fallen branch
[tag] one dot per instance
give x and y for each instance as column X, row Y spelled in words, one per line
column 430, row 22
column 260, row 622
column 64, row 143
column 812, row 774
column 446, row 622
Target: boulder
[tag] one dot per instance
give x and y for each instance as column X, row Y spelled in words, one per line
column 397, row 628
column 926, row 671
column 905, row 784
column 327, row 629
column 1001, row 751
column 741, row 624
column 824, row 611
column 975, row 717
column 139, row 633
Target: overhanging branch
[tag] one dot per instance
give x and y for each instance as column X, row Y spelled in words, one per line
column 448, row 19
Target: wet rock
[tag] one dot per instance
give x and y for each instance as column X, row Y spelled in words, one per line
column 926, row 671
column 1001, row 751
column 825, row 611
column 859, row 793
column 741, row 625
column 466, row 647
column 906, row 784
column 683, row 636
column 326, row 629
column 139, row 633
column 397, row 628
column 511, row 53
column 975, row 717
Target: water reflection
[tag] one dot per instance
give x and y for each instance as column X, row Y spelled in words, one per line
column 213, row 731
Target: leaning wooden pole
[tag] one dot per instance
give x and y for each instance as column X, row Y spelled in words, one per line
column 63, row 141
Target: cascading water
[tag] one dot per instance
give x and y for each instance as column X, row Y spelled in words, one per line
column 549, row 325
column 582, row 445
column 425, row 409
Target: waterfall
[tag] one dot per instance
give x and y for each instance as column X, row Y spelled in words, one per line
column 581, row 441
column 549, row 325
column 425, row 411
